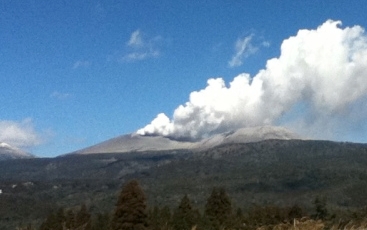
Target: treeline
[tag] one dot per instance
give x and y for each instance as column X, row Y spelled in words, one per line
column 131, row 213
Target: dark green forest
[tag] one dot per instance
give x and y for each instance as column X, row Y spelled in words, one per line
column 132, row 212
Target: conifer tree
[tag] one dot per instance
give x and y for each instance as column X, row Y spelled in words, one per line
column 159, row 219
column 218, row 208
column 130, row 211
column 54, row 221
column 320, row 208
column 101, row 222
column 153, row 218
column 165, row 217
column 83, row 218
column 60, row 218
column 295, row 212
column 69, row 219
column 185, row 217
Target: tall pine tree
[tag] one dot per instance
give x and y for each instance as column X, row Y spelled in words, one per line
column 101, row 222
column 159, row 218
column 54, row 221
column 69, row 219
column 218, row 208
column 130, row 211
column 185, row 217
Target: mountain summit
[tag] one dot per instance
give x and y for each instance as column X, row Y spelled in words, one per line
column 8, row 152
column 135, row 143
column 138, row 143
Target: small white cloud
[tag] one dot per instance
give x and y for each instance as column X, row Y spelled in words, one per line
column 135, row 56
column 60, row 96
column 98, row 11
column 265, row 44
column 136, row 39
column 19, row 134
column 81, row 64
column 243, row 48
column 140, row 48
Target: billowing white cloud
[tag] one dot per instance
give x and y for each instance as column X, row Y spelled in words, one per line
column 141, row 48
column 19, row 134
column 317, row 84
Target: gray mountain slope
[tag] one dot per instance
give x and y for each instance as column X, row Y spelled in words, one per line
column 138, row 143
column 135, row 143
column 248, row 135
column 8, row 152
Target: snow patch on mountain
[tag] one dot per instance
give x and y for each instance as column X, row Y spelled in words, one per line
column 8, row 152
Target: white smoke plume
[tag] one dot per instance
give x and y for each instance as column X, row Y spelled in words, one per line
column 19, row 134
column 318, row 82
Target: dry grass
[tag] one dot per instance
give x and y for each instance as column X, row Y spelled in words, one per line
column 301, row 224
column 352, row 225
column 310, row 224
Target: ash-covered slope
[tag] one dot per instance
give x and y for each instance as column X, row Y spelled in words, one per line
column 8, row 152
column 138, row 143
column 135, row 143
column 248, row 135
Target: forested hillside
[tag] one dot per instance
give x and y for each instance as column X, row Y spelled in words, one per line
column 271, row 173
column 131, row 212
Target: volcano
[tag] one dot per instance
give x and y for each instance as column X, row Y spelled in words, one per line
column 138, row 143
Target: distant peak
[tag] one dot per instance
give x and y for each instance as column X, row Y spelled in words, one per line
column 9, row 152
column 4, row 145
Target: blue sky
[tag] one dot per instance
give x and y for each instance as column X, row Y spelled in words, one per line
column 75, row 73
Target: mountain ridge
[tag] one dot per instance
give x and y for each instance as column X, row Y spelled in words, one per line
column 138, row 143
column 134, row 143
